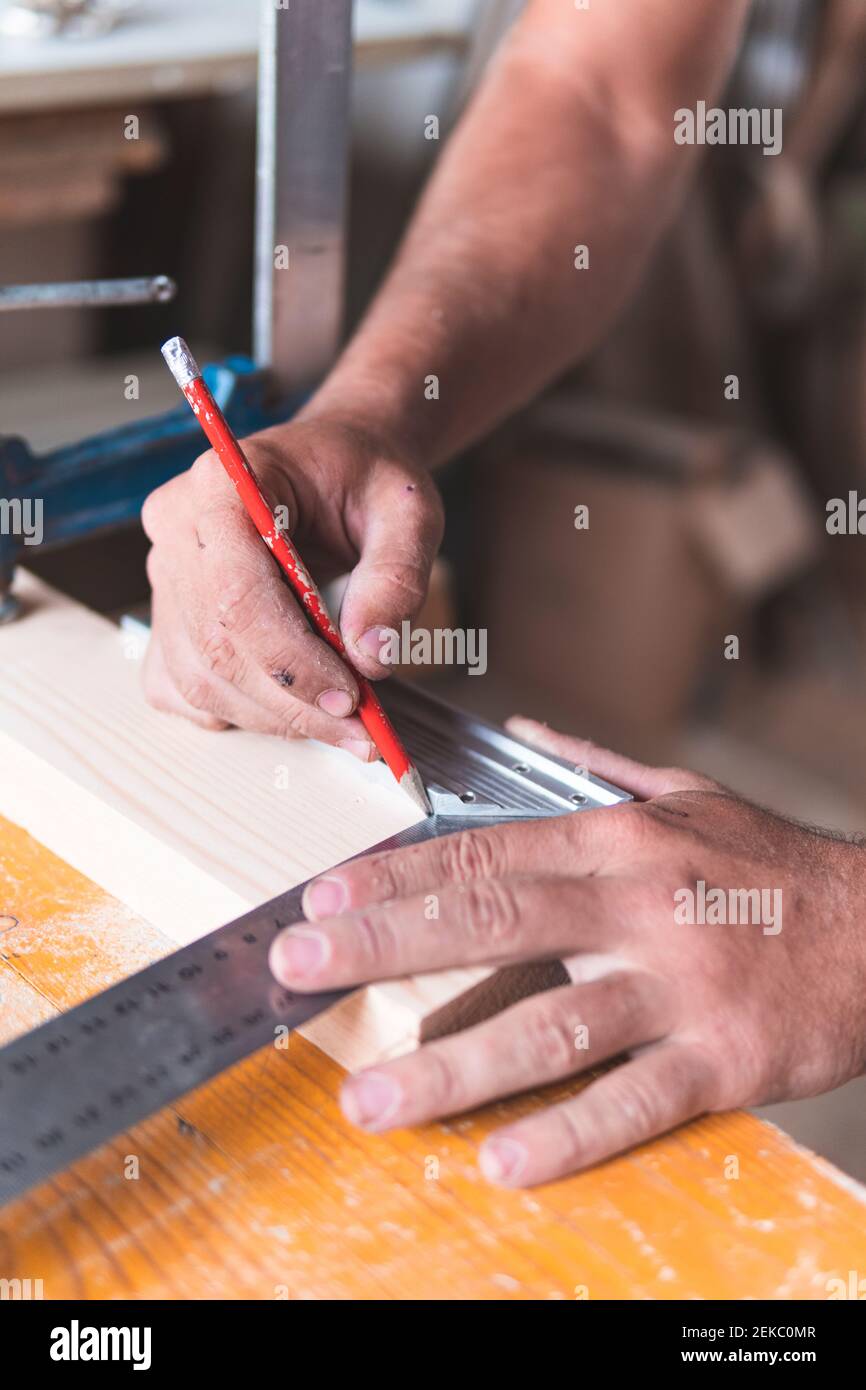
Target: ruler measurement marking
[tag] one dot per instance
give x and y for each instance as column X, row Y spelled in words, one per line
column 93, row 1072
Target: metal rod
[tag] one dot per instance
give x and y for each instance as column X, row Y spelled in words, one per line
column 305, row 69
column 88, row 294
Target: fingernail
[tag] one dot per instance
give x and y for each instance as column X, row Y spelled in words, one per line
column 502, row 1160
column 299, row 952
column 336, row 703
column 324, row 898
column 370, row 643
column 370, row 1099
column 358, row 747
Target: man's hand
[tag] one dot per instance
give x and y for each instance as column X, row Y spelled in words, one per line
column 230, row 643
column 710, row 1016
column 486, row 298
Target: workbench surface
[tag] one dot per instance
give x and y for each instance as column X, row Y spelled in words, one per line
column 163, row 49
column 255, row 1186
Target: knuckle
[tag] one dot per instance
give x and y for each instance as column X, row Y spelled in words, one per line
column 442, row 1085
column 206, row 471
column 700, row 1075
column 621, row 995
column 373, row 943
column 294, row 721
column 491, row 911
column 706, row 1072
column 467, row 856
column 636, row 1104
column 265, row 453
column 220, row 656
column 405, row 578
column 549, row 1041
column 238, row 605
column 152, row 510
column 642, row 825
column 572, row 1141
column 632, row 1001
column 195, row 688
column 679, row 777
column 151, row 567
column 380, row 879
column 684, row 780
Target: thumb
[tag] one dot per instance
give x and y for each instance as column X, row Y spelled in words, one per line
column 639, row 779
column 401, row 531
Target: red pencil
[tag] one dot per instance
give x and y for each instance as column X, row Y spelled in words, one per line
column 186, row 373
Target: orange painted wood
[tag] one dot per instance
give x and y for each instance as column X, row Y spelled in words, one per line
column 255, row 1186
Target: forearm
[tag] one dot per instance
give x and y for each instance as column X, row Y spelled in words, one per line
column 569, row 142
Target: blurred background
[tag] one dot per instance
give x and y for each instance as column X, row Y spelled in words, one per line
column 707, row 506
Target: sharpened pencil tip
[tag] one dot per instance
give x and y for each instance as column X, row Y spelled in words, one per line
column 414, row 787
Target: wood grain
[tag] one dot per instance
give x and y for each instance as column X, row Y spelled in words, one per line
column 191, row 828
column 256, row 1187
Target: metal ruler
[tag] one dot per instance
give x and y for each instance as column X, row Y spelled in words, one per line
column 91, row 1073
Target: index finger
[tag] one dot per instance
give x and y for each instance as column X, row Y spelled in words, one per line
column 578, row 843
column 491, row 922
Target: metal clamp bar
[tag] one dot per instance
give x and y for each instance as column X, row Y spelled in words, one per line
column 305, row 69
column 88, row 294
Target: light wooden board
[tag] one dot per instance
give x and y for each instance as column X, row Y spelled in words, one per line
column 191, row 828
column 256, row 1187
column 252, row 815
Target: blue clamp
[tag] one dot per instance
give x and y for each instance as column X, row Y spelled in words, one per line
column 101, row 482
